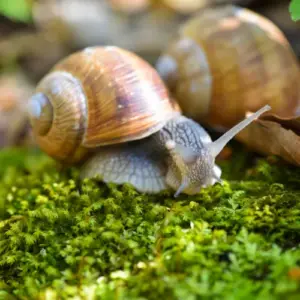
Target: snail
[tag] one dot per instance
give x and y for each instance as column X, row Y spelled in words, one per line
column 107, row 110
column 227, row 61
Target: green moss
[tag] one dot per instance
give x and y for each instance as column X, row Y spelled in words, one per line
column 61, row 238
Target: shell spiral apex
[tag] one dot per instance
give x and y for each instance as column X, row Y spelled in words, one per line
column 41, row 113
column 57, row 114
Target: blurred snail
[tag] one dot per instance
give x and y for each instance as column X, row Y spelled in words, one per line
column 190, row 6
column 14, row 125
column 111, row 102
column 227, row 61
column 133, row 25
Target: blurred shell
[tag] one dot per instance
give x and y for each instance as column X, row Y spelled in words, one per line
column 190, row 6
column 14, row 124
column 227, row 61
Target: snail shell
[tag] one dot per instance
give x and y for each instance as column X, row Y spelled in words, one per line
column 95, row 97
column 227, row 61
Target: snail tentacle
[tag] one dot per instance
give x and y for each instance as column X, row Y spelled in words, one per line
column 217, row 146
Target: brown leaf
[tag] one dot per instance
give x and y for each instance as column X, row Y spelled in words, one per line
column 294, row 273
column 225, row 154
column 273, row 135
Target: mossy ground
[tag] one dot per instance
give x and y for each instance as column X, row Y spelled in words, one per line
column 65, row 239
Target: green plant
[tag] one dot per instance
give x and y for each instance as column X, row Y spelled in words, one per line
column 295, row 10
column 17, row 10
column 62, row 238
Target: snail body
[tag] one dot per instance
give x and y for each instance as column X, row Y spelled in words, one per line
column 226, row 61
column 108, row 110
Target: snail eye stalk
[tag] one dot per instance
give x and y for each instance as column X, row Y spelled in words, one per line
column 217, row 146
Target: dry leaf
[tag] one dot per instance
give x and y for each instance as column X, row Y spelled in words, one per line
column 273, row 135
column 294, row 273
column 225, row 154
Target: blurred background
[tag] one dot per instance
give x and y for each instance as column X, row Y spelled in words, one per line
column 34, row 35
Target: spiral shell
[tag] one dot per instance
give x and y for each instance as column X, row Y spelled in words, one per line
column 227, row 61
column 95, row 97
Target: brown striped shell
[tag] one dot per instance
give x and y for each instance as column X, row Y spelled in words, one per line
column 95, row 97
column 227, row 61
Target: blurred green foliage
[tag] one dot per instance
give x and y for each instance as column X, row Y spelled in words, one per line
column 295, row 10
column 17, row 10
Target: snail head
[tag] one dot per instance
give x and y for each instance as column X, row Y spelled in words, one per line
column 189, row 171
